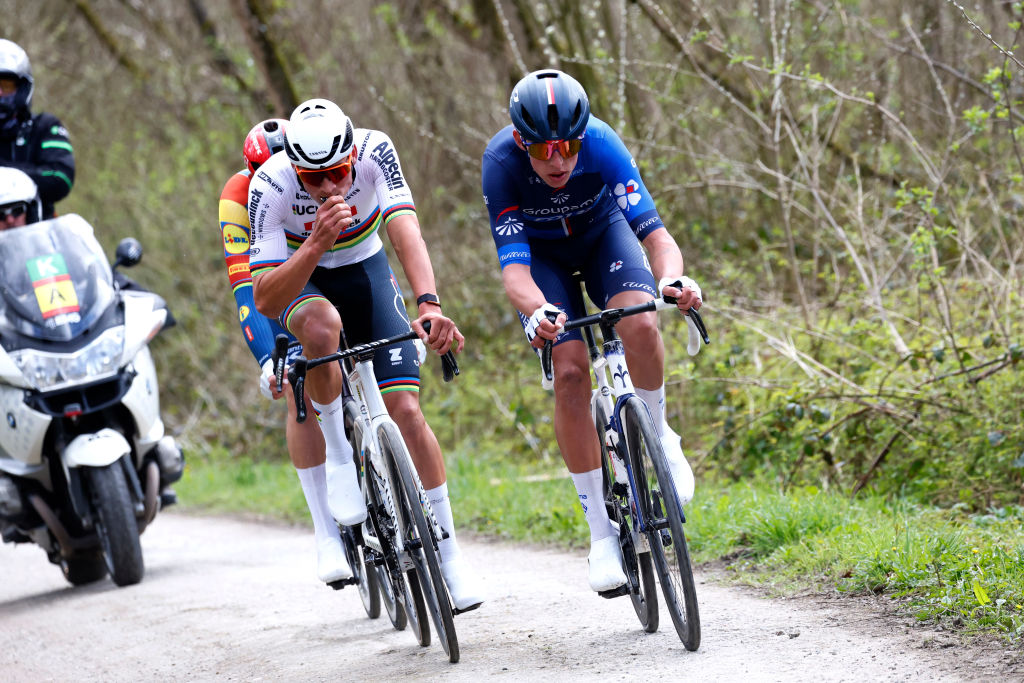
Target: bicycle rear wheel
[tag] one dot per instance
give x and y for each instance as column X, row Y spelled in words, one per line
column 420, row 542
column 656, row 496
column 639, row 572
column 400, row 587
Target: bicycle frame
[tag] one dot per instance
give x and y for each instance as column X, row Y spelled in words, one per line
column 373, row 413
column 610, row 360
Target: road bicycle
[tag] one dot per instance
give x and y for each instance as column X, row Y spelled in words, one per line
column 639, row 492
column 393, row 554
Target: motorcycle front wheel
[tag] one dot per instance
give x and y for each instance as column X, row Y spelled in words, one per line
column 114, row 517
column 84, row 568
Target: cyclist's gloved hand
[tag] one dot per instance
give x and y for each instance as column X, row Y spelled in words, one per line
column 268, row 383
column 684, row 304
column 682, row 282
column 540, row 322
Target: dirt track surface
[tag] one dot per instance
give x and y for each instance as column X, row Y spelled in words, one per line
column 226, row 600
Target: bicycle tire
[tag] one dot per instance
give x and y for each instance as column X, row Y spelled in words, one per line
column 420, row 542
column 656, row 494
column 404, row 584
column 639, row 571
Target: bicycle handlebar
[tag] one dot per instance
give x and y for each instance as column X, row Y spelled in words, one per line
column 611, row 316
column 302, row 365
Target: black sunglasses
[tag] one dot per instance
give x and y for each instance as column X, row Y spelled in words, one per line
column 15, row 210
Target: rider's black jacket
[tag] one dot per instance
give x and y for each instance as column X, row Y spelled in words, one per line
column 39, row 146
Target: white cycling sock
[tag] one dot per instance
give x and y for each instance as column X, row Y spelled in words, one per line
column 332, row 424
column 591, row 492
column 314, row 487
column 442, row 507
column 655, row 400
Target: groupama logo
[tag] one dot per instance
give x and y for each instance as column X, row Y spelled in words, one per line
column 627, row 195
column 509, row 227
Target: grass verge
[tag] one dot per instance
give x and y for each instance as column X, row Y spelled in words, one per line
column 965, row 570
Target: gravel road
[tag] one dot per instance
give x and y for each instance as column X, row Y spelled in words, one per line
column 229, row 600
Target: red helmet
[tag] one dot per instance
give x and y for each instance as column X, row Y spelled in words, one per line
column 265, row 138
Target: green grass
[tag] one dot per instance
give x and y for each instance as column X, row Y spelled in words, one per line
column 942, row 564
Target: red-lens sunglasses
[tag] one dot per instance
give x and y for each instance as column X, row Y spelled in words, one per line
column 542, row 151
column 336, row 173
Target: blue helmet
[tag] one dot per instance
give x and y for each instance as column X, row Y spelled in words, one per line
column 549, row 105
column 14, row 63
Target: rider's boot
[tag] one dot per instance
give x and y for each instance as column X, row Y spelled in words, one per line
column 344, row 498
column 682, row 475
column 606, row 564
column 331, row 563
column 463, row 585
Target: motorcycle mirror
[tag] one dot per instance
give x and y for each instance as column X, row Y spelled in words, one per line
column 129, row 252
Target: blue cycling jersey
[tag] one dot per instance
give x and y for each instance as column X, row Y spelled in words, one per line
column 522, row 207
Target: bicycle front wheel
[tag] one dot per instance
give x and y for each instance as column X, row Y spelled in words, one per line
column 639, row 573
column 399, row 584
column 352, row 540
column 662, row 517
column 420, row 542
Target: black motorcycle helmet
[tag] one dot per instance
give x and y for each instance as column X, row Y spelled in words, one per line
column 14, row 64
column 549, row 105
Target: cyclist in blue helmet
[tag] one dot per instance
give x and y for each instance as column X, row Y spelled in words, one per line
column 565, row 196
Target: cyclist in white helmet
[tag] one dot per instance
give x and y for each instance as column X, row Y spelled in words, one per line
column 317, row 261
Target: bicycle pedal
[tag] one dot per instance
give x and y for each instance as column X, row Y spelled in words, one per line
column 615, row 592
column 341, row 583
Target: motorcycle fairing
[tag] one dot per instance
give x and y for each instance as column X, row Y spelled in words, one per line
column 55, row 281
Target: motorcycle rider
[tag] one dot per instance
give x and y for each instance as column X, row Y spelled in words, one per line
column 305, row 441
column 37, row 145
column 19, row 199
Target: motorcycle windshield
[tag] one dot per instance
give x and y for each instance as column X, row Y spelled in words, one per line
column 55, row 280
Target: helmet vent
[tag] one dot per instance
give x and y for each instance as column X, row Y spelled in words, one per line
column 527, row 118
column 576, row 115
column 553, row 119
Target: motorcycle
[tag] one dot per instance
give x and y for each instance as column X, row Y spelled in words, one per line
column 85, row 464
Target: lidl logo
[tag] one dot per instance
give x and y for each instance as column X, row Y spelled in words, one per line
column 235, row 240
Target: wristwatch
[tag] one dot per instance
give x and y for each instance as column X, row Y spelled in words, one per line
column 428, row 299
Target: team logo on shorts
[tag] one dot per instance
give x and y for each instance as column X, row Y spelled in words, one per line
column 627, row 195
column 509, row 227
column 615, row 266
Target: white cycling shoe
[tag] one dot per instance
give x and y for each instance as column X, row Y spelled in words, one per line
column 344, row 498
column 682, row 475
column 606, row 564
column 331, row 563
column 463, row 586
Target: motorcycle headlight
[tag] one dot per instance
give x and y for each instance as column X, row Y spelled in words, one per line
column 54, row 370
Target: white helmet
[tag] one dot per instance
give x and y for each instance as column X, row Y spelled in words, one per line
column 319, row 135
column 17, row 188
column 14, row 62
